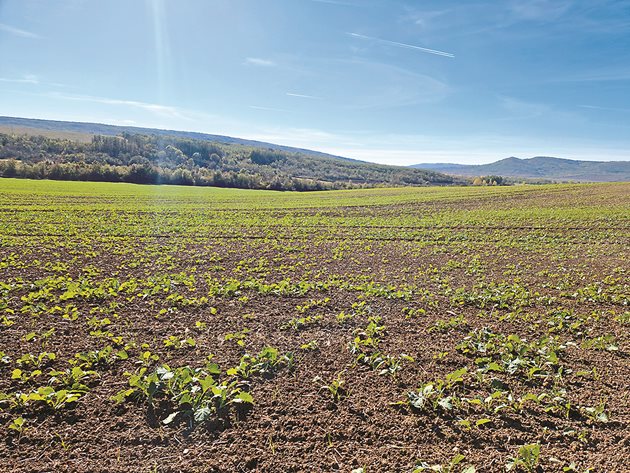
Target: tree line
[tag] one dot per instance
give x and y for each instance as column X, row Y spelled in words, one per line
column 151, row 159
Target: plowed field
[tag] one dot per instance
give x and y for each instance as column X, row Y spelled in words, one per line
column 175, row 329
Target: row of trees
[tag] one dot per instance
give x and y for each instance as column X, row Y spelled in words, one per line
column 151, row 159
column 490, row 181
column 149, row 174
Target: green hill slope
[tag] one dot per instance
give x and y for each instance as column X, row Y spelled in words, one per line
column 75, row 151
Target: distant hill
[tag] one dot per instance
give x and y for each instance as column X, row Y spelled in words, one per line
column 62, row 129
column 540, row 167
column 45, row 149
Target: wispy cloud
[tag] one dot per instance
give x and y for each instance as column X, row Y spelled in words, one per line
column 18, row 31
column 520, row 109
column 610, row 75
column 608, row 109
column 26, row 79
column 425, row 19
column 269, row 109
column 300, row 137
column 388, row 86
column 303, row 96
column 31, row 79
column 157, row 109
column 523, row 110
column 256, row 61
column 402, row 45
column 539, row 10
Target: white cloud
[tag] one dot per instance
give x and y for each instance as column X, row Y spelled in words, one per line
column 26, row 79
column 269, row 109
column 157, row 109
column 256, row 61
column 302, row 96
column 426, row 19
column 539, row 10
column 609, row 75
column 18, row 32
column 612, row 109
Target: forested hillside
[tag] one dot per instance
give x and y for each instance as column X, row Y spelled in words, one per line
column 156, row 159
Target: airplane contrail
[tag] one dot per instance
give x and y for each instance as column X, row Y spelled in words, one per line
column 402, row 45
column 302, row 96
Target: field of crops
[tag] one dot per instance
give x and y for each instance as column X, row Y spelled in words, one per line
column 167, row 329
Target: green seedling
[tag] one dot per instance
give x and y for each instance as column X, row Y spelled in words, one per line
column 596, row 414
column 298, row 323
column 42, row 337
column 266, row 362
column 606, row 342
column 439, row 395
column 310, row 346
column 99, row 358
column 176, row 343
column 526, row 459
column 195, row 394
column 443, row 326
column 336, row 387
column 18, row 425
column 239, row 337
column 39, row 361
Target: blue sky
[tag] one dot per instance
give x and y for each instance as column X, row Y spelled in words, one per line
column 390, row 81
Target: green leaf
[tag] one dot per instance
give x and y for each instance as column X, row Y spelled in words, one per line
column 457, row 375
column 186, row 398
column 213, row 368
column 465, row 423
column 122, row 354
column 170, row 418
column 202, row 414
column 206, row 383
column 244, row 397
column 122, row 395
column 514, row 338
column 417, row 400
column 17, row 424
column 445, row 403
column 494, row 367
